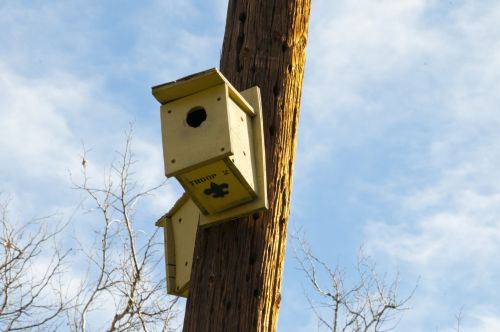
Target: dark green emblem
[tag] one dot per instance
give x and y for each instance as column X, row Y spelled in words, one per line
column 217, row 190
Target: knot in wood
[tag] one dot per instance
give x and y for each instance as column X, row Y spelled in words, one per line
column 211, row 279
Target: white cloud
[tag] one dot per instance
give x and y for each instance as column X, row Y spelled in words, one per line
column 452, row 226
column 37, row 137
column 487, row 323
column 358, row 51
column 38, row 37
column 355, row 43
column 58, row 89
column 416, row 84
column 175, row 39
column 441, row 242
column 55, row 95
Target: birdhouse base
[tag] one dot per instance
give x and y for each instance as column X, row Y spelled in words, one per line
column 217, row 186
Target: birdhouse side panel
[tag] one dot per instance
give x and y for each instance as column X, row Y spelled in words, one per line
column 260, row 203
column 184, row 223
column 168, row 236
column 240, row 128
column 195, row 129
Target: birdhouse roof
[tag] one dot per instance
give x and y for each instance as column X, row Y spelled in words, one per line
column 180, row 202
column 194, row 83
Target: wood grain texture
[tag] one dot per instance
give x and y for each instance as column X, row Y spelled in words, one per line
column 238, row 266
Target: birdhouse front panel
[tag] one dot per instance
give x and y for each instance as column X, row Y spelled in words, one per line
column 217, row 187
column 195, row 129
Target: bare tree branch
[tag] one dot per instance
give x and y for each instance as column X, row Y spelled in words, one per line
column 369, row 304
column 458, row 319
column 119, row 270
column 124, row 273
column 30, row 263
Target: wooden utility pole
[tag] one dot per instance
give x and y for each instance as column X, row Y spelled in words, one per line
column 237, row 267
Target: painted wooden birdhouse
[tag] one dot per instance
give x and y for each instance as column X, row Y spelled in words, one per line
column 179, row 228
column 213, row 143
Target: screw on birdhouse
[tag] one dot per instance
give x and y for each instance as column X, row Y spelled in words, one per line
column 218, row 98
column 180, row 219
column 222, row 149
column 172, row 161
column 169, row 111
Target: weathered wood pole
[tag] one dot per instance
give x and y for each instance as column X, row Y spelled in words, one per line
column 237, row 267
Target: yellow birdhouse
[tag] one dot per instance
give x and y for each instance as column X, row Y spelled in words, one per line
column 179, row 228
column 213, row 143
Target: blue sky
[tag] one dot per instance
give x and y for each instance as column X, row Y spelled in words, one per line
column 398, row 142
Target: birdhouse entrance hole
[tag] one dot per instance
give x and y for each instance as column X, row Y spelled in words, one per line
column 196, row 116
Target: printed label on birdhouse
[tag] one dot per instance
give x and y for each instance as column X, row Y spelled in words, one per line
column 215, row 187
